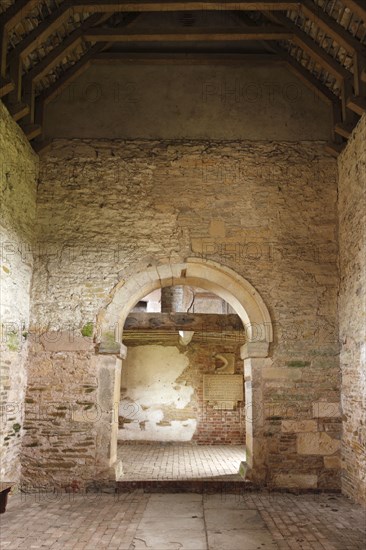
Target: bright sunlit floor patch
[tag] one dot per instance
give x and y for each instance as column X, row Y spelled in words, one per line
column 167, row 461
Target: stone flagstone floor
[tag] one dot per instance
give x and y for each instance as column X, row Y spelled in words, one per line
column 180, row 461
column 140, row 521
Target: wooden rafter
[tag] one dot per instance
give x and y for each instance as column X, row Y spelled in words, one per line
column 189, row 59
column 31, row 130
column 58, row 53
column 309, row 45
column 359, row 72
column 6, row 86
column 334, row 149
column 70, row 75
column 11, row 17
column 352, row 80
column 41, row 32
column 16, row 12
column 327, row 62
column 251, row 33
column 357, row 105
column 18, row 110
column 342, row 37
column 343, row 129
column 55, row 57
column 330, row 26
column 358, row 7
column 189, row 5
column 64, row 81
column 319, row 89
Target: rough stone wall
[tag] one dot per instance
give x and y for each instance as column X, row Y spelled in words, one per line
column 61, row 437
column 162, row 394
column 108, row 209
column 19, row 168
column 352, row 309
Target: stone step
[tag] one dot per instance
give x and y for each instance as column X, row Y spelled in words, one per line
column 236, row 486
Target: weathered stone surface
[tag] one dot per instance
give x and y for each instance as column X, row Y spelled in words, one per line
column 302, row 481
column 333, row 462
column 318, row 443
column 281, row 373
column 296, row 426
column 323, row 409
column 352, row 309
column 18, row 175
column 65, row 341
column 159, row 198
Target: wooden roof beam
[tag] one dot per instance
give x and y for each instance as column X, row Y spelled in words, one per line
column 327, row 62
column 319, row 89
column 148, row 58
column 172, row 322
column 6, row 86
column 309, row 45
column 11, row 17
column 18, row 110
column 189, row 5
column 65, row 80
column 334, row 149
column 71, row 74
column 55, row 57
column 41, row 32
column 330, row 26
column 357, row 7
column 194, row 35
column 16, row 12
column 359, row 72
column 31, row 130
column 44, row 30
column 57, row 54
column 49, row 61
column 344, row 129
column 357, row 105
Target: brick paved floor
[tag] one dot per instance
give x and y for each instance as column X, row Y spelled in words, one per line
column 180, row 461
column 136, row 521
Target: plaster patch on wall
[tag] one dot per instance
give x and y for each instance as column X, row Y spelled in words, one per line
column 179, row 430
column 149, row 383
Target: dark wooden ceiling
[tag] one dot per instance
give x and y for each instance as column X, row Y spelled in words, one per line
column 45, row 44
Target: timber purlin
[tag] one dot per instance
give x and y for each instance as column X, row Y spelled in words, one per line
column 45, row 45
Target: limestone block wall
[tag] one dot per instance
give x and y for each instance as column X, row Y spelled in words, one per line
column 352, row 309
column 18, row 176
column 162, row 394
column 267, row 210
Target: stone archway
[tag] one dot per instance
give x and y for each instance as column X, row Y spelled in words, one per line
column 247, row 303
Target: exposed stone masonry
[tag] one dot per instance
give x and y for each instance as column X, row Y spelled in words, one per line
column 352, row 309
column 18, row 176
column 128, row 205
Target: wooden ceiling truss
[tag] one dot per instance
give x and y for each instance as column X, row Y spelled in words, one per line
column 45, row 44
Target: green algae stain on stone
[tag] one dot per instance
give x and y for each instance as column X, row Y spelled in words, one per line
column 87, row 329
column 298, row 364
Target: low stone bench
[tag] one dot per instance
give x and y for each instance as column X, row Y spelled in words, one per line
column 5, row 487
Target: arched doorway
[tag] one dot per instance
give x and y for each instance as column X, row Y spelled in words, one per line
column 241, row 296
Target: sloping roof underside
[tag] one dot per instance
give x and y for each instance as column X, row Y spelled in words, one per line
column 45, row 42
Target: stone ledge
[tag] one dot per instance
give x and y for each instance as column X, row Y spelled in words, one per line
column 254, row 349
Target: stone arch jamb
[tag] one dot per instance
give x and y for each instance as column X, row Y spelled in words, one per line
column 247, row 303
